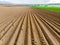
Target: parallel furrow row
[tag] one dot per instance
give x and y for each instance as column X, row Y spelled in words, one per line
column 30, row 26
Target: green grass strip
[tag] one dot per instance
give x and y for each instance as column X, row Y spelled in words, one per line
column 50, row 8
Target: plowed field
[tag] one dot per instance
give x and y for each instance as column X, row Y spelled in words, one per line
column 27, row 26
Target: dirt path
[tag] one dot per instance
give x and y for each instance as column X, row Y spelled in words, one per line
column 27, row 26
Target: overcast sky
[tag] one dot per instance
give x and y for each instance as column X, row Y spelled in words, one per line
column 32, row 1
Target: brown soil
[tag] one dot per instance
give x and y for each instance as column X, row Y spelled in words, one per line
column 22, row 25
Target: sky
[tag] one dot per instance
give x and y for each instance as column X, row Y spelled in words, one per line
column 32, row 1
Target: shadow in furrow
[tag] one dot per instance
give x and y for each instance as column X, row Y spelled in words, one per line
column 40, row 37
column 8, row 28
column 19, row 32
column 32, row 36
column 15, row 28
column 26, row 33
column 48, row 26
column 46, row 36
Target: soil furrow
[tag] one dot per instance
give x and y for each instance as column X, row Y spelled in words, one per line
column 25, row 25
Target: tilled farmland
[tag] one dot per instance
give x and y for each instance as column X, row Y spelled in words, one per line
column 27, row 26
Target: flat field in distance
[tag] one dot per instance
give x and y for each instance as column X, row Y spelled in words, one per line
column 50, row 8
